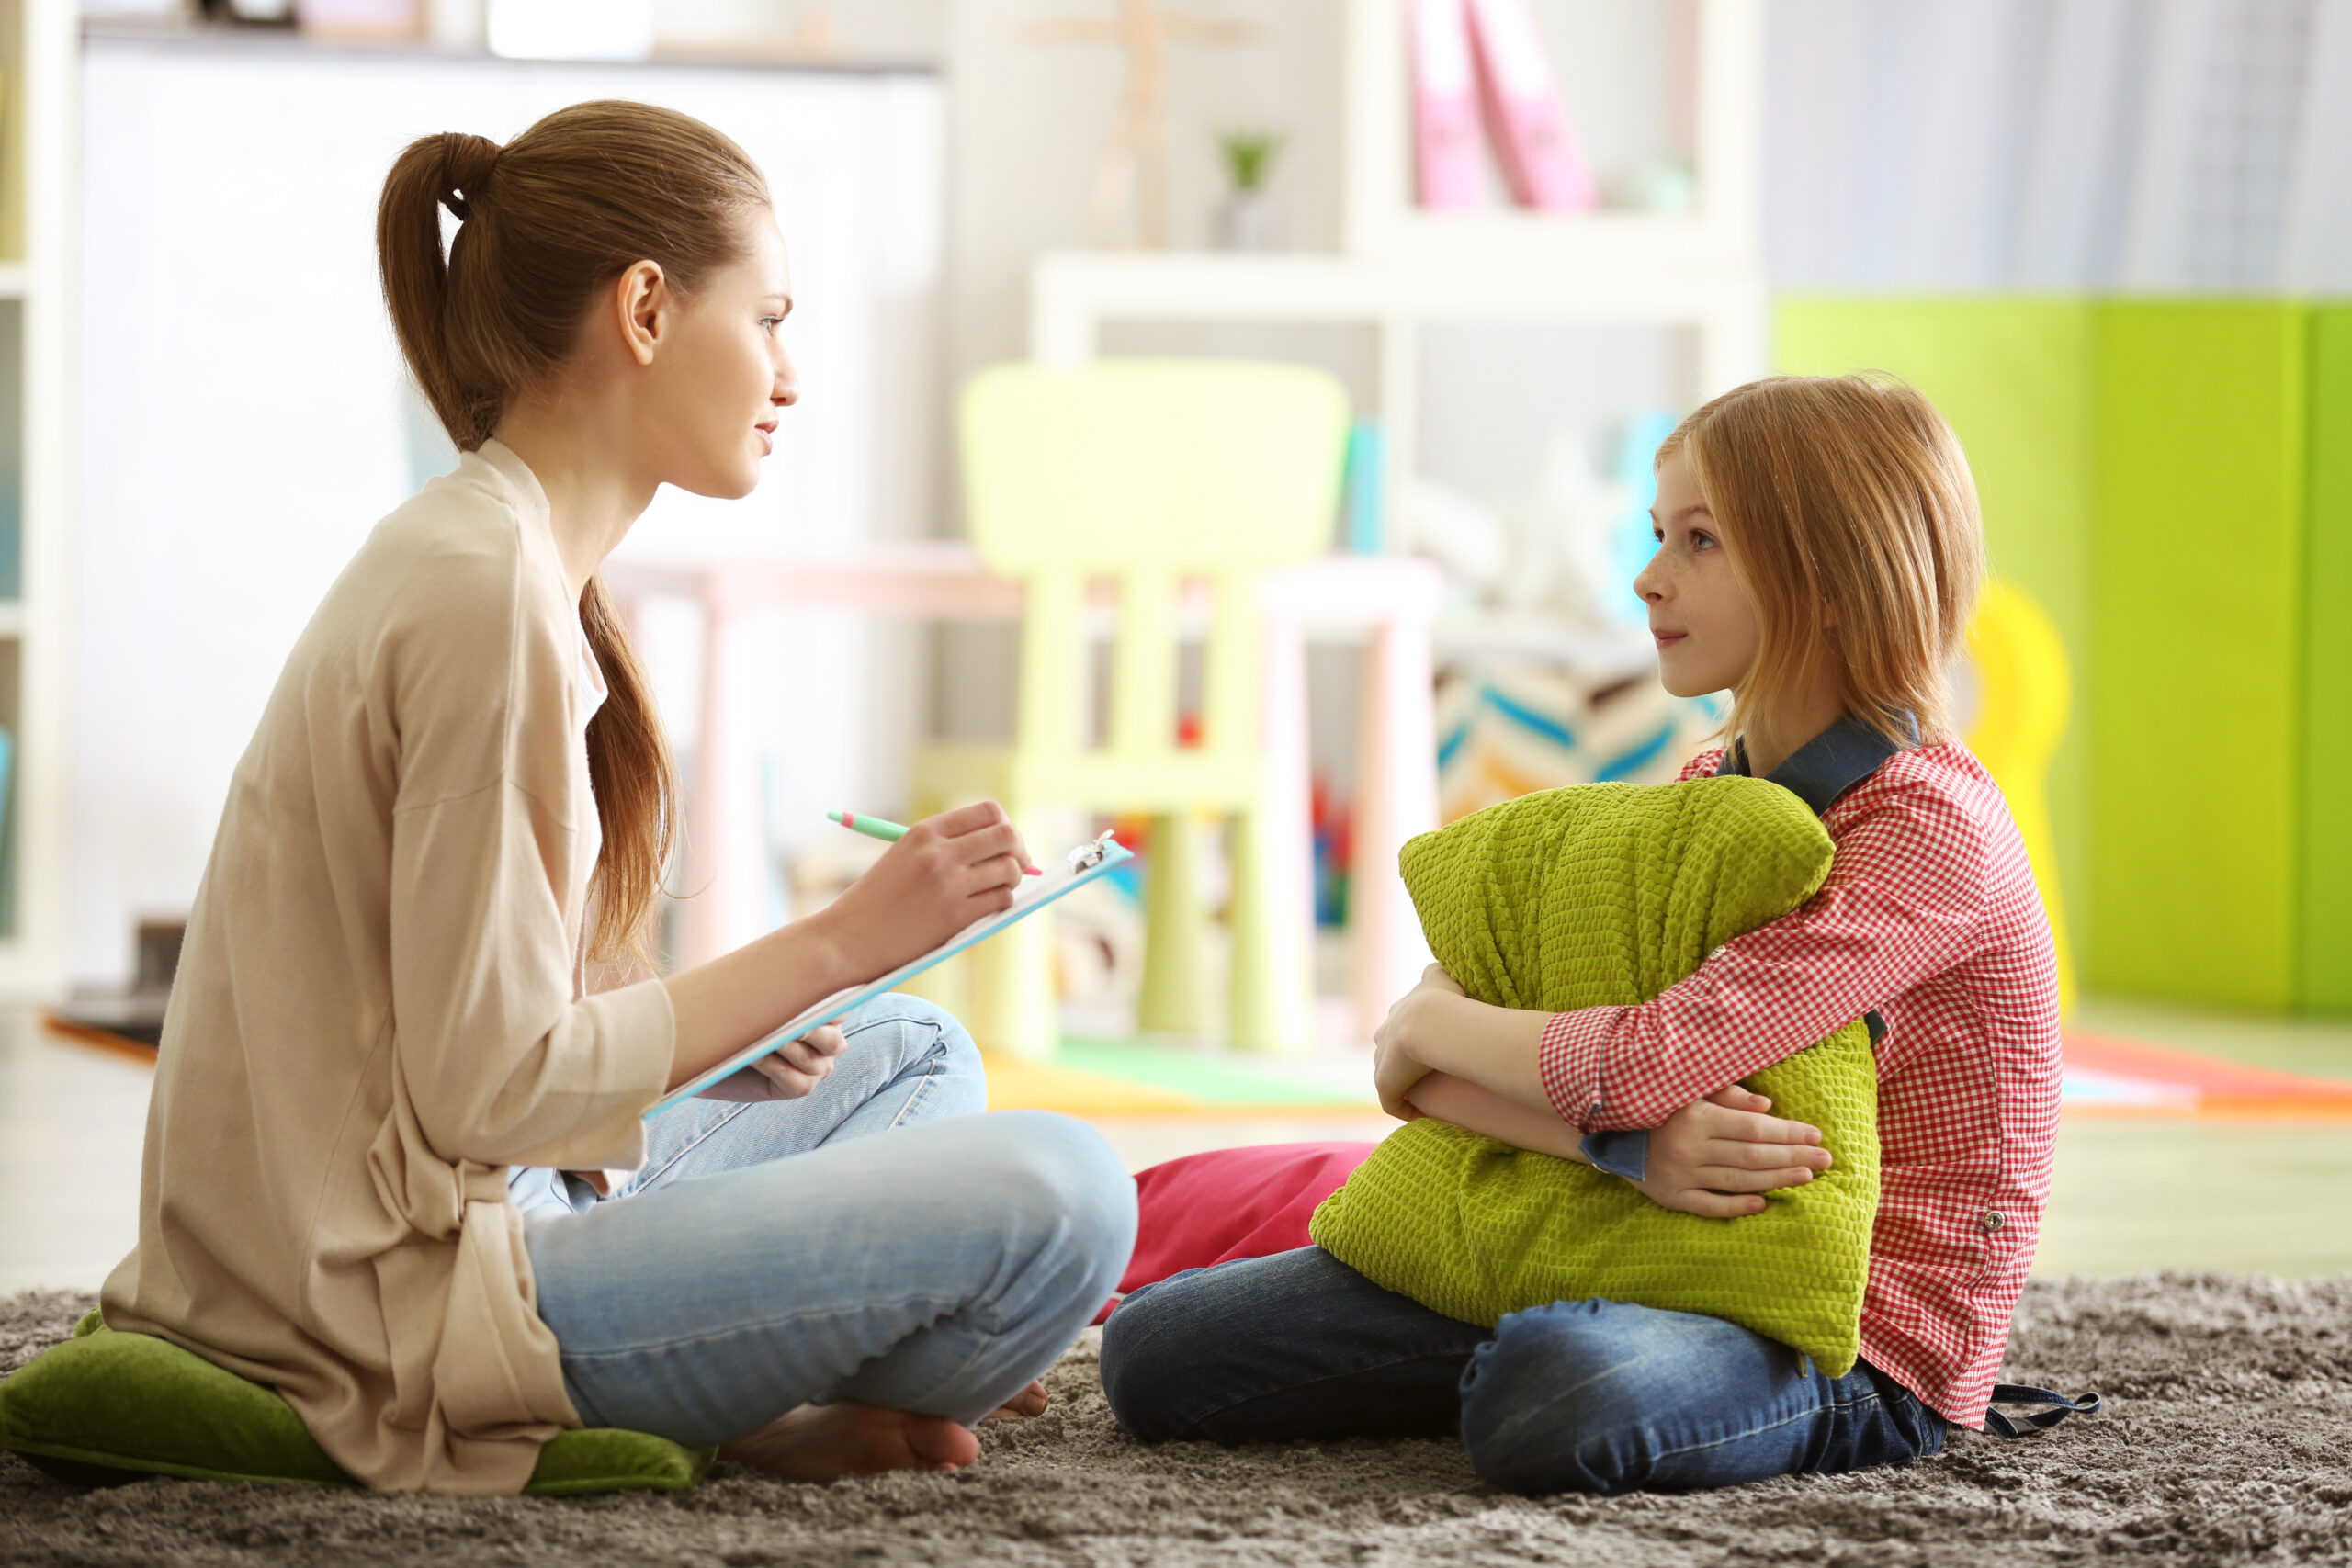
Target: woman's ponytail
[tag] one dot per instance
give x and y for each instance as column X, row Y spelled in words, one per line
column 449, row 171
column 543, row 222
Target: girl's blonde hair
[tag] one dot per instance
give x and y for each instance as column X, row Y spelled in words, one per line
column 1853, row 523
column 545, row 222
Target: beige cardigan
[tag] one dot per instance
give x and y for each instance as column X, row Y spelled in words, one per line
column 376, row 1014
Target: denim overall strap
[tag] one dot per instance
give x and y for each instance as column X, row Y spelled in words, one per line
column 1820, row 770
column 1999, row 1425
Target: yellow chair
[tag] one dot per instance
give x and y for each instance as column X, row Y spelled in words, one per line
column 2020, row 717
column 1150, row 474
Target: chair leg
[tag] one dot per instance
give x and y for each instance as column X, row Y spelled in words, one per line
column 1010, row 978
column 1274, row 980
column 946, row 985
column 1175, row 981
column 1013, row 991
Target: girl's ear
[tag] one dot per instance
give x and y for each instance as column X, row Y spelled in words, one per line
column 641, row 298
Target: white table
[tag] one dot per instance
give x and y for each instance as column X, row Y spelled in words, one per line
column 1390, row 606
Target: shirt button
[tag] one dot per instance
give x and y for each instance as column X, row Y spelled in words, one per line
column 1594, row 1112
column 1993, row 1220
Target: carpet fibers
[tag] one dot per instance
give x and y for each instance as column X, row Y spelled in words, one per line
column 2227, row 1439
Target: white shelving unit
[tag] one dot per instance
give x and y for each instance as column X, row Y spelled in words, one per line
column 1404, row 268
column 39, row 39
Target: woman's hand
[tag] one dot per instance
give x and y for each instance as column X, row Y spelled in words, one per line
column 1717, row 1156
column 949, row 870
column 1418, row 1015
column 945, row 873
column 789, row 1072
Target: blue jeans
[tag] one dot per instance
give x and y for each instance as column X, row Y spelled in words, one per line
column 1576, row 1396
column 873, row 1241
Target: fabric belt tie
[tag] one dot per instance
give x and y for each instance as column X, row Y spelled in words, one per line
column 1999, row 1425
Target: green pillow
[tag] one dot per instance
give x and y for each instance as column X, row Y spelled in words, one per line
column 106, row 1407
column 1603, row 895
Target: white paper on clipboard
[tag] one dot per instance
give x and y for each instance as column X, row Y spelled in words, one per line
column 1075, row 870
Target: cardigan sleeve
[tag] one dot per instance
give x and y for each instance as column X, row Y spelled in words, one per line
column 501, row 1064
column 1904, row 902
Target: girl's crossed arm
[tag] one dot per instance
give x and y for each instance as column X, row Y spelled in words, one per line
column 1716, row 1156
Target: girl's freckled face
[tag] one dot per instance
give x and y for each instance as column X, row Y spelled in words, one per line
column 1700, row 613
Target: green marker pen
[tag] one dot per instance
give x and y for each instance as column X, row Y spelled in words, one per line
column 872, row 827
column 888, row 832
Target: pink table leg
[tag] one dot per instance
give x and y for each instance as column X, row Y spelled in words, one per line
column 1288, row 832
column 1396, row 798
column 712, row 863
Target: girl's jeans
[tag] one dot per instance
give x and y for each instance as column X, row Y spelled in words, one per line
column 873, row 1241
column 1577, row 1396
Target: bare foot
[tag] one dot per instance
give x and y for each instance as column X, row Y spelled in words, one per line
column 825, row 1442
column 1029, row 1401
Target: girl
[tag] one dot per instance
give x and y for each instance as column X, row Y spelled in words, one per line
column 447, row 839
column 1819, row 553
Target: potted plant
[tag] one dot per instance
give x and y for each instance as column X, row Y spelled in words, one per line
column 1247, row 219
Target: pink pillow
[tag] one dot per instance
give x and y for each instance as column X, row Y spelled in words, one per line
column 1211, row 1208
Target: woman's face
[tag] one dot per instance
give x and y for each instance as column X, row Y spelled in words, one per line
column 722, row 379
column 1700, row 612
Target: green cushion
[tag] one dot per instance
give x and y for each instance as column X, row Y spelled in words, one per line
column 106, row 1407
column 1604, row 895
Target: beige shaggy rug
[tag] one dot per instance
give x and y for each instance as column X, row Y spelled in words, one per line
column 2227, row 1439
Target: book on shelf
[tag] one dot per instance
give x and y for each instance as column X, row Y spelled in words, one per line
column 1445, row 106
column 1541, row 161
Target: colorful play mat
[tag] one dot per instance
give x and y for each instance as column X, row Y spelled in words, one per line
column 2104, row 1076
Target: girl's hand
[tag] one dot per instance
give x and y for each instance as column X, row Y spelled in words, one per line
column 1419, row 1013
column 949, row 870
column 1717, row 1156
column 788, row 1072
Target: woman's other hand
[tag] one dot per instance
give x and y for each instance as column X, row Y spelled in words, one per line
column 1719, row 1156
column 949, row 870
column 1417, row 1015
column 789, row 1072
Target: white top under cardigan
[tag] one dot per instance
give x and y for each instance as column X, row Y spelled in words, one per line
column 376, row 1011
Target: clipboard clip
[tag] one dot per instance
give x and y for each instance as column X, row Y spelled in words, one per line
column 1086, row 857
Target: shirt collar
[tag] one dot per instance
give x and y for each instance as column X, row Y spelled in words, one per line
column 1825, row 767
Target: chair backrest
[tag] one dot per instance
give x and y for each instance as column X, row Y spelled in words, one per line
column 1193, row 465
column 1149, row 472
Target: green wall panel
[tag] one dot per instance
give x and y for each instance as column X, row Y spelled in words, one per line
column 2014, row 377
column 2197, row 652
column 2327, row 674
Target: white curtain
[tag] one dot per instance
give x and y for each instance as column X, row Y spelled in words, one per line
column 2060, row 145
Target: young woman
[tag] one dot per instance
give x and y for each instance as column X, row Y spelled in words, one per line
column 393, row 1029
column 1819, row 553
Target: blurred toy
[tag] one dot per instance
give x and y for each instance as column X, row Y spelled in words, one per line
column 1334, row 853
column 1365, row 496
column 2023, row 693
column 1470, row 543
column 1509, row 728
column 1131, row 181
column 1631, row 542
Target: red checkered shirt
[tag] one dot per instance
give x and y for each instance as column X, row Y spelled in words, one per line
column 1929, row 914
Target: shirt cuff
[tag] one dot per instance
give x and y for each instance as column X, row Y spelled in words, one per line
column 1625, row 1154
column 1569, row 1059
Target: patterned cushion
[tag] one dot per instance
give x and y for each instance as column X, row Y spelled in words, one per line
column 1602, row 894
column 107, row 1407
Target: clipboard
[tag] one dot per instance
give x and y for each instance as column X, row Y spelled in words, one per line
column 1081, row 866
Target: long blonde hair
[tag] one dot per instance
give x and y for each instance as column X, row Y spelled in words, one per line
column 1853, row 520
column 546, row 221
